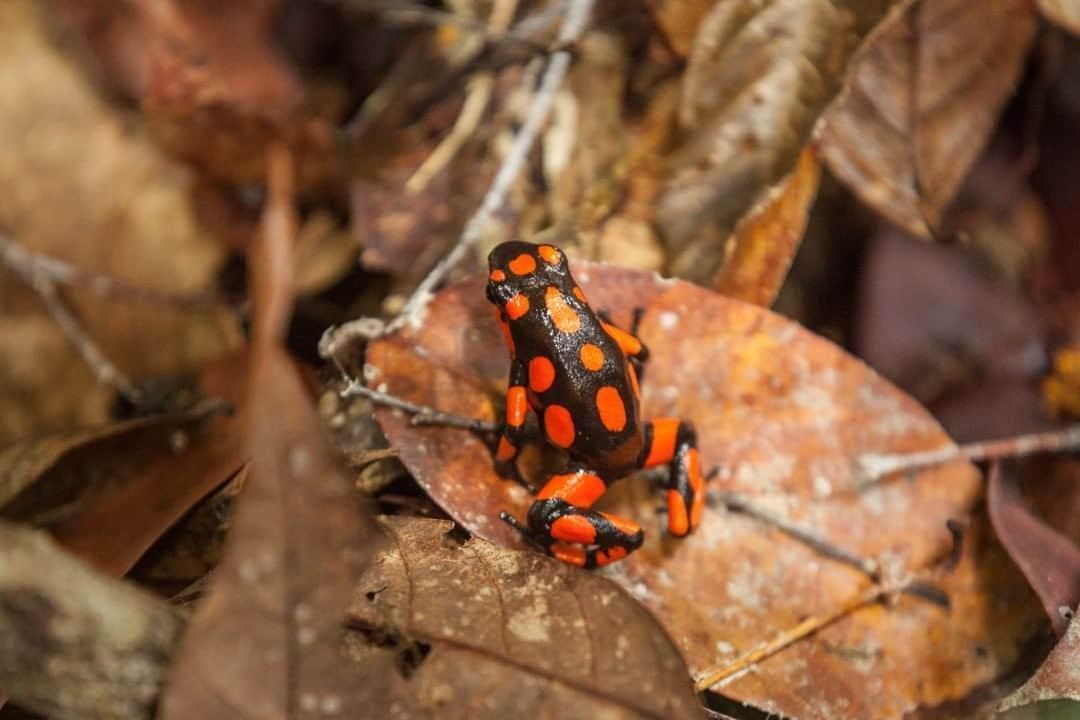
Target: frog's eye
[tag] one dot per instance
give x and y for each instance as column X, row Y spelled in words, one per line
column 549, row 254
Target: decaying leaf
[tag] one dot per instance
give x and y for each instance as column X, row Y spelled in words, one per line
column 920, row 102
column 785, row 416
column 1049, row 560
column 266, row 640
column 764, row 243
column 46, row 479
column 1064, row 12
column 478, row 631
column 86, row 185
column 1059, row 676
column 758, row 78
column 112, row 530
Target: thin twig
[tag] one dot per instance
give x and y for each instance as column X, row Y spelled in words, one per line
column 422, row 414
column 807, row 627
column 735, row 502
column 335, row 340
column 41, row 282
column 27, row 262
column 874, row 467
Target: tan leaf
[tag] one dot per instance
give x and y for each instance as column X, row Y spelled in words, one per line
column 86, row 185
column 759, row 76
column 1064, row 12
column 765, row 241
column 507, row 630
column 786, row 417
column 920, row 102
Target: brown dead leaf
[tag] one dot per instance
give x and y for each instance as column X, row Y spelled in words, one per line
column 50, row 478
column 1065, row 13
column 86, row 185
column 765, row 241
column 1059, row 676
column 758, row 78
column 219, row 92
column 137, row 512
column 500, row 630
column 266, row 640
column 785, row 416
column 1049, row 560
column 920, row 102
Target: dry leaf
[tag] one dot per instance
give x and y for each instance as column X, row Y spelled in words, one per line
column 1059, row 675
column 765, row 241
column 1049, row 560
column 266, row 640
column 921, row 101
column 85, row 185
column 758, row 78
column 493, row 631
column 1064, row 12
column 114, row 529
column 786, row 416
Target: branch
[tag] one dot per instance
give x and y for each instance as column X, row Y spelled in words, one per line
column 422, row 414
column 335, row 340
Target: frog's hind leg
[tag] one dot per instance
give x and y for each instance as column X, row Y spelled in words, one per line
column 673, row 442
column 561, row 523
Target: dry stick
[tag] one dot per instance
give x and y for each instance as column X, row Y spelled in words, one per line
column 874, row 467
column 737, row 503
column 334, row 340
column 422, row 414
column 481, row 86
column 27, row 262
column 791, row 635
column 43, row 285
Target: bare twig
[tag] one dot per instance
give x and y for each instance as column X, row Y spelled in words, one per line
column 481, row 86
column 422, row 414
column 874, row 467
column 792, row 635
column 737, row 503
column 28, row 263
column 336, row 340
column 28, row 267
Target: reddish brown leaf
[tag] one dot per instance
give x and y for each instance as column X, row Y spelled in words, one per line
column 115, row 528
column 786, row 417
column 1049, row 560
column 1058, row 678
column 506, row 630
column 921, row 101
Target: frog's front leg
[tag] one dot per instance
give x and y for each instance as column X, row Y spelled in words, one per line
column 561, row 523
column 514, row 432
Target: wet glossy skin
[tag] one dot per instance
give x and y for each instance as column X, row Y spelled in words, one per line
column 579, row 374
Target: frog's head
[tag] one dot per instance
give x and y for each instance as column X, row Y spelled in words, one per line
column 516, row 266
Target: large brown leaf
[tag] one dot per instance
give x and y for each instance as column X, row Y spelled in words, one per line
column 786, row 416
column 507, row 630
column 266, row 640
column 921, row 101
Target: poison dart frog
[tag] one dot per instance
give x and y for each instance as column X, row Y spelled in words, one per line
column 579, row 373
